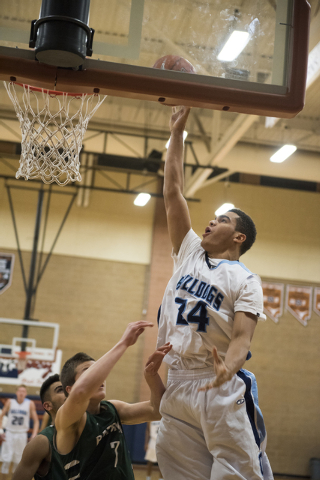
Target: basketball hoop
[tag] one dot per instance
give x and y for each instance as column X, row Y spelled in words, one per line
column 51, row 142
column 22, row 360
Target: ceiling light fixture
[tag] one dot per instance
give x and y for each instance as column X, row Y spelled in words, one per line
column 142, row 199
column 283, row 153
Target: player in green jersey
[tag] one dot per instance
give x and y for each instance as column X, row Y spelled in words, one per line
column 41, row 459
column 36, row 458
column 89, row 438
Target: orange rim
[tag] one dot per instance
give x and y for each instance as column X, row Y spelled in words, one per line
column 51, row 92
column 22, row 355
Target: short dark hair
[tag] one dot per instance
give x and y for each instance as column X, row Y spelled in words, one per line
column 68, row 372
column 21, row 386
column 245, row 225
column 44, row 390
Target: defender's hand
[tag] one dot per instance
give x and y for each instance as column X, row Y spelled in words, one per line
column 155, row 360
column 133, row 331
column 223, row 374
column 179, row 119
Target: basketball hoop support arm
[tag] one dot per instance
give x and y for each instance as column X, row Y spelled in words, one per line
column 34, row 279
column 30, row 289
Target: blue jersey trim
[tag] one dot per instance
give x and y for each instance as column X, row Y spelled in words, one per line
column 158, row 316
column 259, row 417
column 250, row 406
column 230, row 262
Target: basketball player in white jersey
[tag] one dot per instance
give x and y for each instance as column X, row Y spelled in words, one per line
column 209, row 313
column 19, row 412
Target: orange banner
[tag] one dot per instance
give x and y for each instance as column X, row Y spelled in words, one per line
column 273, row 300
column 298, row 302
column 316, row 302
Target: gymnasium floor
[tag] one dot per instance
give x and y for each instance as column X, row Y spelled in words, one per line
column 140, row 474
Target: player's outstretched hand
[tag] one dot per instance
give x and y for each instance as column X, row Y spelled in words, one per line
column 179, row 119
column 223, row 374
column 133, row 331
column 155, row 360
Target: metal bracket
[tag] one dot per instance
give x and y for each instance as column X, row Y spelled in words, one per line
column 61, row 18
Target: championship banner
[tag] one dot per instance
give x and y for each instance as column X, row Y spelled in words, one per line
column 273, row 300
column 6, row 270
column 298, row 302
column 316, row 302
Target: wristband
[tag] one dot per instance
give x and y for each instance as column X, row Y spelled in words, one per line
column 1, row 431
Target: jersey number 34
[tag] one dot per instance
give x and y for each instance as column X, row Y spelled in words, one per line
column 197, row 315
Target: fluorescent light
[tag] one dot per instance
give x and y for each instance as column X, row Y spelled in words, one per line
column 313, row 72
column 282, row 154
column 234, row 46
column 224, row 208
column 185, row 134
column 142, row 199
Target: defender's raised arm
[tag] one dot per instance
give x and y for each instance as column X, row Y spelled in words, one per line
column 79, row 395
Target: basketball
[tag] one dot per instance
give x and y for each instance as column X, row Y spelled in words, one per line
column 175, row 63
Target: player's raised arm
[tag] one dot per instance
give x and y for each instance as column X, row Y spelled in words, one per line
column 76, row 404
column 146, row 411
column 178, row 217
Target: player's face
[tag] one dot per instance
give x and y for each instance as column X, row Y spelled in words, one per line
column 101, row 391
column 21, row 394
column 218, row 236
column 57, row 395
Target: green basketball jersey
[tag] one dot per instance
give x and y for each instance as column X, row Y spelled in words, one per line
column 101, row 452
column 55, row 469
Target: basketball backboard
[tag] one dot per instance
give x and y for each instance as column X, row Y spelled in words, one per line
column 267, row 77
column 43, row 357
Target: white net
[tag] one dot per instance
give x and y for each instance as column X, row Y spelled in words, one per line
column 52, row 126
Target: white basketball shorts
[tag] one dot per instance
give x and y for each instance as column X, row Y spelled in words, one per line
column 208, row 435
column 13, row 446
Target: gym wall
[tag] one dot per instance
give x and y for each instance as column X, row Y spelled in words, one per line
column 98, row 281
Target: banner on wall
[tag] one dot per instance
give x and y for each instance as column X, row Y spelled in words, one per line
column 6, row 270
column 316, row 302
column 299, row 303
column 273, row 300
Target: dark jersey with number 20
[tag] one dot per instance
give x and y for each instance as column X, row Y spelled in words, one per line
column 100, row 453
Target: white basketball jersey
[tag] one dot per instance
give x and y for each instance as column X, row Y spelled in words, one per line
column 19, row 416
column 200, row 302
